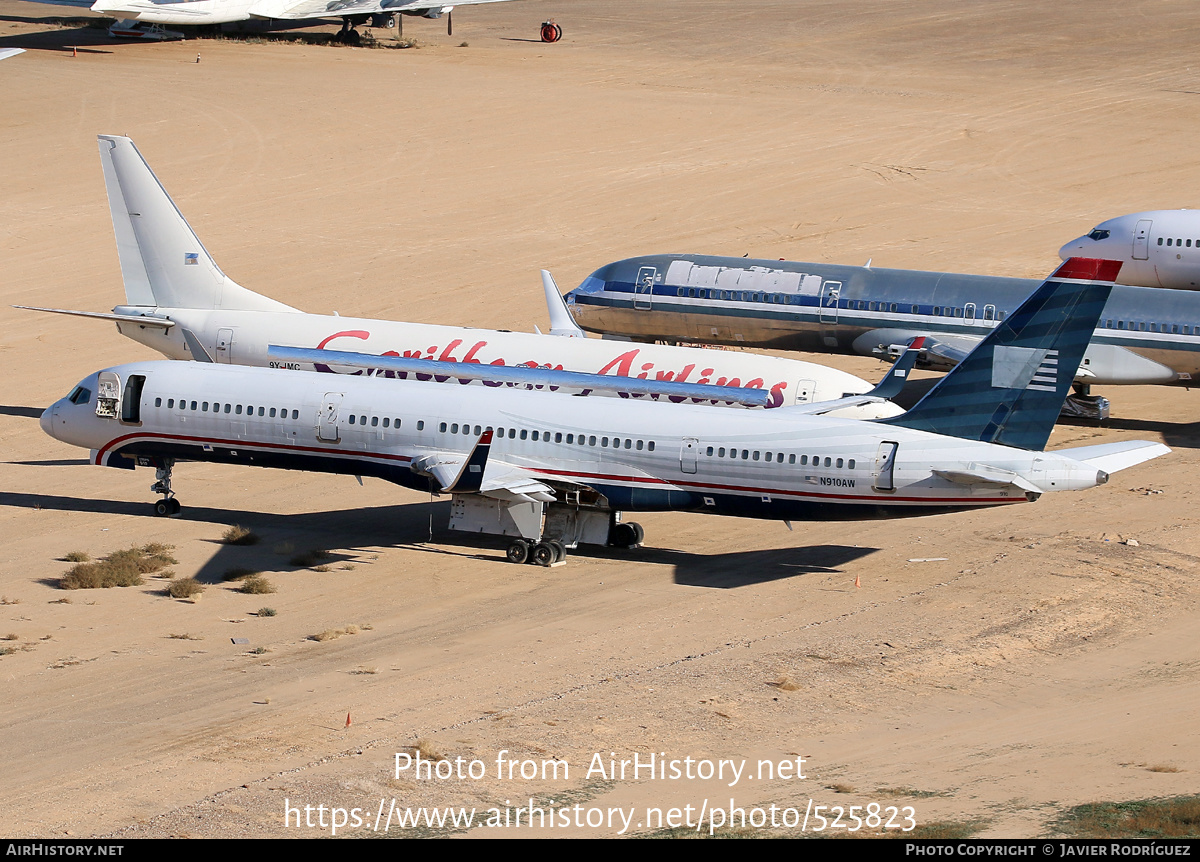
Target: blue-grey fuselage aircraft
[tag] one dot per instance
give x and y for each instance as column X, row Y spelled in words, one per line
column 1144, row 335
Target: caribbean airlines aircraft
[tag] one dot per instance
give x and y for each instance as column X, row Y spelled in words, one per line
column 1157, row 249
column 181, row 304
column 551, row 471
column 1144, row 335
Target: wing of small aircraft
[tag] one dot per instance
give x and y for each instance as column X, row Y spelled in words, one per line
column 5, row 53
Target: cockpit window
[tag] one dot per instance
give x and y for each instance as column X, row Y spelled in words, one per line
column 1098, row 234
column 80, row 395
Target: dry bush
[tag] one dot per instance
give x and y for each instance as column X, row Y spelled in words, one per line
column 185, row 588
column 12, row 636
column 185, row 636
column 266, row 612
column 76, row 557
column 239, row 535
column 256, row 585
column 238, row 573
column 284, row 548
column 101, row 574
column 428, row 750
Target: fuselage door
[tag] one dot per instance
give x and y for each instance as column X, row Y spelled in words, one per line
column 643, row 288
column 687, row 454
column 225, row 345
column 804, row 391
column 108, row 395
column 327, row 423
column 885, row 466
column 1141, row 239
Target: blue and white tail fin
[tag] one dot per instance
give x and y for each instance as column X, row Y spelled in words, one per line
column 163, row 262
column 1011, row 387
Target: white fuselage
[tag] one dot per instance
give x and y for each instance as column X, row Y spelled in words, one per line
column 243, row 338
column 1160, row 248
column 641, row 456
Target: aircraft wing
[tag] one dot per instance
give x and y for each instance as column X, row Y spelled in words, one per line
column 5, row 53
column 1111, row 457
column 475, row 474
column 295, row 10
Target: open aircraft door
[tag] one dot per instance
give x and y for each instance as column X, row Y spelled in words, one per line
column 327, row 422
column 885, row 466
column 1141, row 239
column 831, row 293
column 643, row 288
column 108, row 395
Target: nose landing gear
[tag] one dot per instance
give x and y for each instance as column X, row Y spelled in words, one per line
column 168, row 506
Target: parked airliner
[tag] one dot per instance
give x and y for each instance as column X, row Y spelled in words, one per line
column 552, row 471
column 181, row 304
column 1157, row 249
column 273, row 14
column 1145, row 335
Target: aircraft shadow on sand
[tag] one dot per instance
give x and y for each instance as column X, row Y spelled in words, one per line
column 62, row 34
column 407, row 526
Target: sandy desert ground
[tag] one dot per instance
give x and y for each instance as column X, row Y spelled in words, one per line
column 1042, row 664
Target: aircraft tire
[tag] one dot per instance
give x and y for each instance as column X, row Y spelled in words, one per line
column 175, row 507
column 624, row 535
column 639, row 535
column 162, row 508
column 560, row 550
column 518, row 551
column 543, row 554
column 551, row 32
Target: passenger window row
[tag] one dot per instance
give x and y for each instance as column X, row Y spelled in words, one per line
column 777, row 457
column 547, row 437
column 219, row 407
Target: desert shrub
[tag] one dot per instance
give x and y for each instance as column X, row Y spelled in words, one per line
column 185, row 588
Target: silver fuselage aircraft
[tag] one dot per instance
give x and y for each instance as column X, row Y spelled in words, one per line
column 1144, row 335
column 180, row 303
column 1160, row 248
column 553, row 471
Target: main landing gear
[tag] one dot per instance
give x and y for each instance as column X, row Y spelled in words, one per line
column 552, row 552
column 551, row 32
column 168, row 506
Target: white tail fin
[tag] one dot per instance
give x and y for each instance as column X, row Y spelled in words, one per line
column 163, row 263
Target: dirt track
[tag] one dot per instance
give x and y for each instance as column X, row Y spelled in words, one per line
column 1043, row 663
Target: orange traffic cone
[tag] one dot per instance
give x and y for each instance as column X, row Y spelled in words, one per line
column 856, row 583
column 347, row 720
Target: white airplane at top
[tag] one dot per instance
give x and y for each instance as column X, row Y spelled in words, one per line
column 274, row 14
column 181, row 304
column 553, row 471
column 1160, row 248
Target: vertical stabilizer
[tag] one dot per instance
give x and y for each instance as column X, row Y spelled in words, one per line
column 163, row 262
column 1011, row 387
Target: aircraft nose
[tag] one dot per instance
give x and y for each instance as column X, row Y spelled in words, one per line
column 47, row 420
column 1073, row 249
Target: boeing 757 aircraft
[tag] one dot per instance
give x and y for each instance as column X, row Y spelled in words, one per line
column 1157, row 249
column 1144, row 335
column 278, row 14
column 181, row 304
column 552, row 471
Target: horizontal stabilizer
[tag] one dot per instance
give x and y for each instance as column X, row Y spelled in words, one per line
column 889, row 387
column 521, row 375
column 1111, row 457
column 141, row 320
